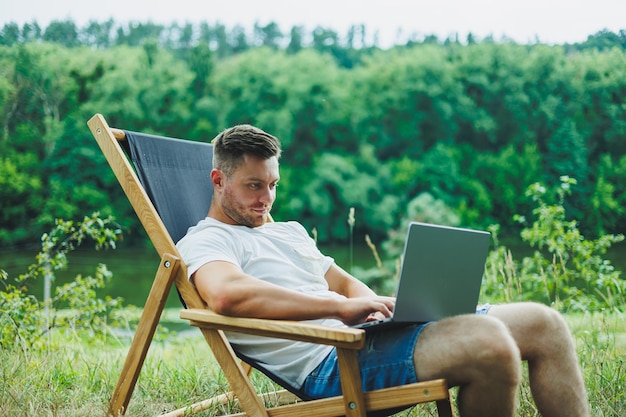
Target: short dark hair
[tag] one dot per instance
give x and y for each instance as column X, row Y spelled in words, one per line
column 230, row 146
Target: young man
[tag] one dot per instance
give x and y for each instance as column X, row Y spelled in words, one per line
column 244, row 266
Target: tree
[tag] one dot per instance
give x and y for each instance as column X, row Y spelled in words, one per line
column 201, row 63
column 296, row 40
column 471, row 125
column 494, row 107
column 324, row 39
column 238, row 41
column 31, row 32
column 505, row 176
column 62, row 32
column 604, row 40
column 608, row 201
column 335, row 184
column 269, row 35
column 10, row 34
column 403, row 101
column 601, row 115
column 40, row 86
column 98, row 35
column 566, row 153
column 137, row 33
column 150, row 92
column 21, row 197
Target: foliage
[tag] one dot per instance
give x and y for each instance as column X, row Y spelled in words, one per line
column 19, row 196
column 423, row 208
column 565, row 270
column 25, row 321
column 473, row 125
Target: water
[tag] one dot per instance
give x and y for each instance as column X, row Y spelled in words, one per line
column 134, row 268
column 133, row 271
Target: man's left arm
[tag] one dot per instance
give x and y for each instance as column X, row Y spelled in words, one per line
column 345, row 284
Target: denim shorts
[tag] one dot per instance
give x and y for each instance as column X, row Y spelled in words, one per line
column 386, row 361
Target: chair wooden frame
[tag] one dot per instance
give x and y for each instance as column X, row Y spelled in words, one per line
column 354, row 402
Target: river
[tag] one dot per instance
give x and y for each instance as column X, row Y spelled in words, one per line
column 134, row 268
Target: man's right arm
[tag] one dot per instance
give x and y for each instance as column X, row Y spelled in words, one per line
column 228, row 290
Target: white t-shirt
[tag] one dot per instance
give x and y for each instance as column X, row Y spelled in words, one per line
column 281, row 253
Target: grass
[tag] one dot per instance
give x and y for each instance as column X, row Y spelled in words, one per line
column 601, row 345
column 76, row 378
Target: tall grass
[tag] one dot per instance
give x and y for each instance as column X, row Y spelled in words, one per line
column 76, row 378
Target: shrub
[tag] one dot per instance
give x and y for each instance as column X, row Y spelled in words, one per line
column 565, row 270
column 25, row 320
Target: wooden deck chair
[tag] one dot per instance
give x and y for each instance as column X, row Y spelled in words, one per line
column 171, row 191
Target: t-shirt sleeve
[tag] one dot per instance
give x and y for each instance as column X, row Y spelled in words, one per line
column 208, row 245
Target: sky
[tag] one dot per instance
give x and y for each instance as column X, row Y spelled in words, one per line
column 549, row 21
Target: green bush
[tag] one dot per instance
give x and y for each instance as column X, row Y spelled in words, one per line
column 25, row 320
column 565, row 270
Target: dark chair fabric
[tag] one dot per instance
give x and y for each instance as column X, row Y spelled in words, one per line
column 176, row 175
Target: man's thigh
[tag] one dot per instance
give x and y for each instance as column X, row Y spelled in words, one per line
column 456, row 348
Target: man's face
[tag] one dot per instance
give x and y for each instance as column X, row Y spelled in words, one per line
column 248, row 194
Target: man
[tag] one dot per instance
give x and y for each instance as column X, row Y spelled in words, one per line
column 244, row 266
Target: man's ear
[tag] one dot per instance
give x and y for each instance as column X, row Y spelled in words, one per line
column 217, row 178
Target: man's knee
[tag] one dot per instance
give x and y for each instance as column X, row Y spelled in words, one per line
column 499, row 354
column 550, row 329
column 548, row 320
column 540, row 331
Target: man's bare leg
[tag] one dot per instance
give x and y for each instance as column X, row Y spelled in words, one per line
column 546, row 343
column 478, row 354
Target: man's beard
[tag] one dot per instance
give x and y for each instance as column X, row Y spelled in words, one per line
column 238, row 214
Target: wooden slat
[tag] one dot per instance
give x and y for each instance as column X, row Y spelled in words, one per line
column 350, row 375
column 328, row 407
column 407, row 395
column 444, row 408
column 144, row 334
column 384, row 399
column 119, row 134
column 237, row 376
column 131, row 185
column 293, row 330
column 280, row 397
column 201, row 406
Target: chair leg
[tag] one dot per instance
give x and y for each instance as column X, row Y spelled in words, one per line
column 444, row 408
column 143, row 335
column 236, row 374
column 351, row 383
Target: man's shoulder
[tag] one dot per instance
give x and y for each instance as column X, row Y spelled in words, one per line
column 204, row 224
column 286, row 227
column 209, row 228
column 205, row 227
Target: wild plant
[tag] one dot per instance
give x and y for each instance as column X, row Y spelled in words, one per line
column 25, row 320
column 566, row 270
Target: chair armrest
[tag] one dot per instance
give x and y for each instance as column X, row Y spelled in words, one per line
column 283, row 329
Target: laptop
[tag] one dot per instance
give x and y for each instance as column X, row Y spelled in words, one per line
column 440, row 276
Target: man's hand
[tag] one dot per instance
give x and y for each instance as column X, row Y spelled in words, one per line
column 361, row 309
